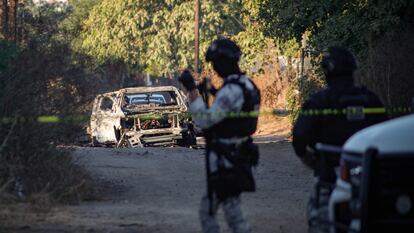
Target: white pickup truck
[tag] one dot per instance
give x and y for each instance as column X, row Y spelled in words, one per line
column 374, row 191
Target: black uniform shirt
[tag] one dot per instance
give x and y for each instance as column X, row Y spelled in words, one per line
column 335, row 129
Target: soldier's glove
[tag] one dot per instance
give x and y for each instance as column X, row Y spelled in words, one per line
column 205, row 86
column 187, row 80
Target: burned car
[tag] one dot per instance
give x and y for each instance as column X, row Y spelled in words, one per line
column 141, row 116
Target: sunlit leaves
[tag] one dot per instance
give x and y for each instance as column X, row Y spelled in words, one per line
column 158, row 35
column 116, row 30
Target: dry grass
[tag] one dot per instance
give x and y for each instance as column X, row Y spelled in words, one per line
column 44, row 174
column 40, row 81
column 273, row 125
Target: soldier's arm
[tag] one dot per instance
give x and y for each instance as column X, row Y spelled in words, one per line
column 305, row 129
column 229, row 99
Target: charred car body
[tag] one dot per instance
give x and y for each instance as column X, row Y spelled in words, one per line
column 141, row 116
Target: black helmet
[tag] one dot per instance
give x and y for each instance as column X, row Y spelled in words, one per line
column 338, row 61
column 223, row 49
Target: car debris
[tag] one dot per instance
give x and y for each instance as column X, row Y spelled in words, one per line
column 141, row 116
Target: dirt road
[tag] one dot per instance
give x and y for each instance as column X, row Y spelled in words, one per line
column 159, row 189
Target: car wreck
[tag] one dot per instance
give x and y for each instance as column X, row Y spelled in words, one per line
column 141, row 116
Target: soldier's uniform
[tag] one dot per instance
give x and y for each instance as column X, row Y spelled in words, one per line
column 230, row 151
column 340, row 94
column 333, row 129
column 229, row 99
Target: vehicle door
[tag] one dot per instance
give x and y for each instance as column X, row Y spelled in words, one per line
column 105, row 118
column 182, row 100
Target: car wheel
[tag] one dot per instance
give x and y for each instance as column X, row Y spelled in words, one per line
column 189, row 138
column 117, row 134
column 94, row 143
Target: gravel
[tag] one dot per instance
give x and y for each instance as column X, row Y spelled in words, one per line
column 159, row 189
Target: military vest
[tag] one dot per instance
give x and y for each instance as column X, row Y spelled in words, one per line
column 243, row 123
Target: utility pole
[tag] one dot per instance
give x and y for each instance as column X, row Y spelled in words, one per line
column 197, row 38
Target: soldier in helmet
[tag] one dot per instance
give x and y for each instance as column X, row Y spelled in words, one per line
column 230, row 152
column 340, row 94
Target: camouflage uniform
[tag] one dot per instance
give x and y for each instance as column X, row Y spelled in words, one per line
column 230, row 98
column 232, row 212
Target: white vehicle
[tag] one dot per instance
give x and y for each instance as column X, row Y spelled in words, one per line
column 374, row 191
column 141, row 116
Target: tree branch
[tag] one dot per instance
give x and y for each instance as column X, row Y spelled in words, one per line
column 4, row 143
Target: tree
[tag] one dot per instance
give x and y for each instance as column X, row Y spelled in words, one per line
column 78, row 11
column 373, row 30
column 158, row 36
column 171, row 47
column 8, row 19
column 117, row 30
column 4, row 18
column 356, row 24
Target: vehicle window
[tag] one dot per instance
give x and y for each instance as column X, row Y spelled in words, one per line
column 161, row 98
column 106, row 104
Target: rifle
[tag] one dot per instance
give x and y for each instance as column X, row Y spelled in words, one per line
column 205, row 88
column 204, row 91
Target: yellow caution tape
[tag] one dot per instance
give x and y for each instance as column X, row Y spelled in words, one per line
column 201, row 115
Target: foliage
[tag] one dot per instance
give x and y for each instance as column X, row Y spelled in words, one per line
column 77, row 12
column 289, row 48
column 41, row 79
column 253, row 45
column 38, row 23
column 388, row 68
column 354, row 24
column 172, row 44
column 158, row 36
column 300, row 90
column 8, row 52
column 116, row 30
column 359, row 25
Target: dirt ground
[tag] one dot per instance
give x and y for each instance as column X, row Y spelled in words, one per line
column 273, row 125
column 159, row 189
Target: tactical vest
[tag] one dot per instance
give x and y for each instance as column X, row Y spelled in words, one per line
column 339, row 127
column 353, row 100
column 243, row 123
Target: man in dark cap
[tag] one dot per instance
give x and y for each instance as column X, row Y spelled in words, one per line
column 340, row 94
column 331, row 116
column 230, row 150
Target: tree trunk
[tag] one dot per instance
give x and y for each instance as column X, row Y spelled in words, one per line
column 4, row 19
column 13, row 19
column 117, row 73
column 1, row 19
